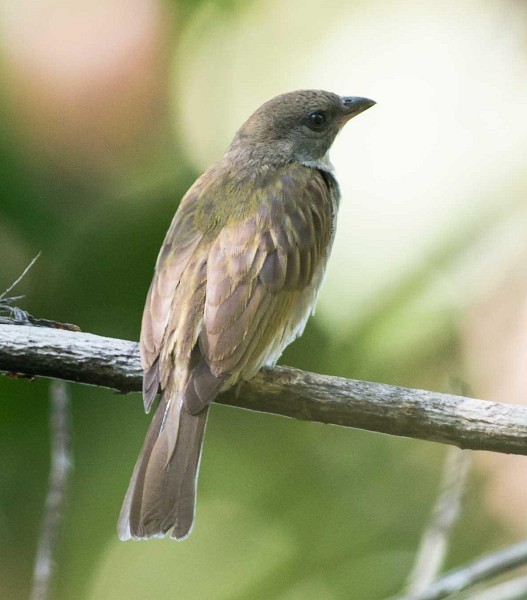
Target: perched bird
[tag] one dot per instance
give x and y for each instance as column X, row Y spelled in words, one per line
column 236, row 279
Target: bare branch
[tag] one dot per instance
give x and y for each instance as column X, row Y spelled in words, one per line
column 514, row 589
column 481, row 569
column 112, row 363
column 61, row 465
column 434, row 543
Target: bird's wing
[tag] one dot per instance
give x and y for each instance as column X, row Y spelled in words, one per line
column 180, row 245
column 263, row 272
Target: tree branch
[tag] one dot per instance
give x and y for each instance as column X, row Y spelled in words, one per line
column 480, row 570
column 59, row 476
column 434, row 542
column 113, row 363
column 514, row 589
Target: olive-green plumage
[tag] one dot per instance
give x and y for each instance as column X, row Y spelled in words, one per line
column 235, row 282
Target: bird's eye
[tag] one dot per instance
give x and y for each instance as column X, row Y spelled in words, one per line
column 316, row 120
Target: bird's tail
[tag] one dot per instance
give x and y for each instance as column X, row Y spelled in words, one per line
column 162, row 492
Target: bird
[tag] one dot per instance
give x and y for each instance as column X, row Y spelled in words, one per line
column 235, row 282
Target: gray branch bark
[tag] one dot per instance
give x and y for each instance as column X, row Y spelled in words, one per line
column 112, row 363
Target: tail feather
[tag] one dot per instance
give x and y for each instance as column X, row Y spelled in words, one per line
column 182, row 473
column 162, row 492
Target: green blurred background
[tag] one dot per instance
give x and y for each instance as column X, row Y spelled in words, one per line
column 108, row 111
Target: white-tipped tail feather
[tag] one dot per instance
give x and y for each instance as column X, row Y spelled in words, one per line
column 161, row 496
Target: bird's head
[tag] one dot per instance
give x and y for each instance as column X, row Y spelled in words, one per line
column 298, row 126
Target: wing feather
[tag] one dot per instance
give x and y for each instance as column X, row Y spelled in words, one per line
column 243, row 293
column 255, row 303
column 180, row 245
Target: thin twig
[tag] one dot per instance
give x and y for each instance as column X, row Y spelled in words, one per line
column 434, row 543
column 18, row 316
column 61, row 465
column 20, row 277
column 481, row 569
column 457, row 420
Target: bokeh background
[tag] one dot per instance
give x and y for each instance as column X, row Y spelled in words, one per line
column 108, row 111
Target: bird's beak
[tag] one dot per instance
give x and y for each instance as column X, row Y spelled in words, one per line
column 354, row 105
